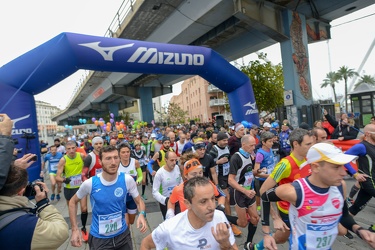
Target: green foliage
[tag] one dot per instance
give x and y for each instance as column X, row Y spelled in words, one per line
column 345, row 73
column 176, row 114
column 331, row 79
column 267, row 81
column 365, row 79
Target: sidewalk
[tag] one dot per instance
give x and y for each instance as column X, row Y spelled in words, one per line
column 154, row 218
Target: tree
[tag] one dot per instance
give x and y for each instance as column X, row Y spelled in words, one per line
column 365, row 79
column 267, row 81
column 176, row 114
column 331, row 79
column 345, row 73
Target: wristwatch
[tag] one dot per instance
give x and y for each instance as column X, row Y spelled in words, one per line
column 143, row 212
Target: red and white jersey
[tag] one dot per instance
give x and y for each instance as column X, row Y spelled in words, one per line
column 95, row 166
column 314, row 223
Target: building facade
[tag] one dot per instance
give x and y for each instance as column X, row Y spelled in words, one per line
column 44, row 112
column 202, row 100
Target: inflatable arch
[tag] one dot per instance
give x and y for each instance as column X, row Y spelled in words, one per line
column 56, row 59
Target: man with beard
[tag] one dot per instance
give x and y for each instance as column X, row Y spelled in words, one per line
column 108, row 192
column 213, row 140
column 91, row 165
column 205, row 226
column 60, row 148
column 206, row 160
column 159, row 157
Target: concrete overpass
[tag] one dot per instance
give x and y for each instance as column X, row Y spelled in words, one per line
column 233, row 28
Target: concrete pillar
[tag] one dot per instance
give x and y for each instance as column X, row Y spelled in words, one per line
column 295, row 59
column 145, row 103
column 113, row 108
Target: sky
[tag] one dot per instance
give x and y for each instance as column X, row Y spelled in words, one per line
column 27, row 24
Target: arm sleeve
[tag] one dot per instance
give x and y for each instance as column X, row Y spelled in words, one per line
column 6, row 153
column 140, row 175
column 359, row 150
column 149, row 165
column 346, row 219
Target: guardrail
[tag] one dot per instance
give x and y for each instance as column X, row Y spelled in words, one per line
column 123, row 11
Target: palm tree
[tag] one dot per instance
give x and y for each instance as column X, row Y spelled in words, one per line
column 330, row 80
column 365, row 79
column 345, row 73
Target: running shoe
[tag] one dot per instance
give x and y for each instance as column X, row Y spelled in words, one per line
column 58, row 197
column 349, row 201
column 250, row 246
column 85, row 235
column 52, row 197
column 372, row 228
column 144, row 197
column 236, row 231
column 348, row 235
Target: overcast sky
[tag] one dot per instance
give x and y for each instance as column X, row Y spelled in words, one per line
column 27, row 24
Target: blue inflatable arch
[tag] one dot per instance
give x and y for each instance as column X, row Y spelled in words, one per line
column 58, row 58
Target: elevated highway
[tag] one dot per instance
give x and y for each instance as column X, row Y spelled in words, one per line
column 233, row 28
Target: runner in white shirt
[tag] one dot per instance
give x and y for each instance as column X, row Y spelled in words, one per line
column 130, row 166
column 199, row 227
column 166, row 178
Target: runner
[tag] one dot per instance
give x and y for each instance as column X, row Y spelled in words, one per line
column 108, row 191
column 53, row 158
column 317, row 202
column 166, row 178
column 199, row 227
column 71, row 165
column 241, row 180
column 130, row 166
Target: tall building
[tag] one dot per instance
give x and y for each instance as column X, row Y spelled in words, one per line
column 44, row 112
column 202, row 100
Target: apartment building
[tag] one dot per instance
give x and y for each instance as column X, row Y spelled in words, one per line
column 44, row 112
column 202, row 100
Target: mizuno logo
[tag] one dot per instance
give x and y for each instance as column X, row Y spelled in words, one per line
column 153, row 56
column 19, row 119
column 106, row 52
column 252, row 110
column 249, row 104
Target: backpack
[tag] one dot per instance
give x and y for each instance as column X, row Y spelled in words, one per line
column 8, row 216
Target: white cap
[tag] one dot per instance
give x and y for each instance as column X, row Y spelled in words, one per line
column 329, row 153
column 266, row 125
column 153, row 135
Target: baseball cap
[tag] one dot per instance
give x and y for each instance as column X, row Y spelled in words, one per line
column 153, row 135
column 191, row 165
column 165, row 138
column 329, row 153
column 120, row 136
column 266, row 125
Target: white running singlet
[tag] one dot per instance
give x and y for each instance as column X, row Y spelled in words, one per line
column 314, row 223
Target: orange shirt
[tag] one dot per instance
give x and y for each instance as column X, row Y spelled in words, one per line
column 178, row 195
column 81, row 150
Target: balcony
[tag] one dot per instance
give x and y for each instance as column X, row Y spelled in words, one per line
column 213, row 89
column 217, row 102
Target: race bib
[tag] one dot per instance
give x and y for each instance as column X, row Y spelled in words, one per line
column 226, row 169
column 53, row 166
column 98, row 171
column 249, row 176
column 110, row 224
column 320, row 237
column 75, row 181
